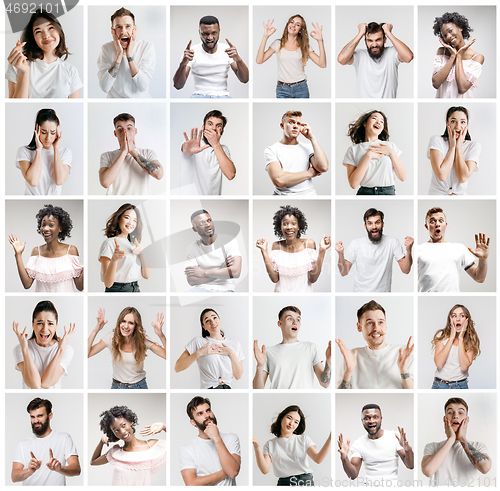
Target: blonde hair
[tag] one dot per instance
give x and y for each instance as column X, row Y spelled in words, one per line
column 138, row 336
column 302, row 38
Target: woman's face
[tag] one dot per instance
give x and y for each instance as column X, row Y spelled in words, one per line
column 48, row 133
column 46, row 35
column 294, row 26
column 289, row 227
column 44, row 327
column 50, row 228
column 458, row 319
column 128, row 222
column 451, row 34
column 127, row 325
column 290, row 423
column 211, row 322
column 458, row 122
column 122, row 429
column 374, row 124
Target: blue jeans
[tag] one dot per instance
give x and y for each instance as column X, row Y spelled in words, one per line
column 299, row 90
column 142, row 384
column 454, row 385
column 298, row 480
column 124, row 287
column 207, row 96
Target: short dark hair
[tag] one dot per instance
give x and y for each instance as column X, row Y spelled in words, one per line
column 37, row 403
column 290, row 308
column 371, row 305
column 373, row 212
column 208, row 20
column 456, row 400
column 432, row 211
column 62, row 216
column 371, row 406
column 107, row 417
column 276, row 426
column 198, row 212
column 282, row 213
column 122, row 13
column 215, row 114
column 374, row 27
column 123, row 117
column 194, row 403
column 454, row 18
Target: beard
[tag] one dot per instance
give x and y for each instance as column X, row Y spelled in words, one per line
column 42, row 429
column 378, row 55
column 375, row 239
column 203, row 426
column 209, row 47
column 373, row 431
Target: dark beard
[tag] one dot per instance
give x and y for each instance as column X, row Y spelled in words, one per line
column 374, row 433
column 375, row 241
column 203, row 426
column 208, row 47
column 40, row 431
column 378, row 55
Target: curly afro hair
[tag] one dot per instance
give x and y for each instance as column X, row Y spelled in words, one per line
column 107, row 417
column 283, row 212
column 454, row 18
column 62, row 216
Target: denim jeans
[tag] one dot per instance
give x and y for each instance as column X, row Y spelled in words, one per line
column 207, row 96
column 299, row 90
column 298, row 480
column 381, row 190
column 142, row 384
column 123, row 287
column 453, row 385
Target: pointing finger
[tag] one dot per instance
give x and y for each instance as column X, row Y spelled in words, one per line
column 189, row 44
column 229, row 42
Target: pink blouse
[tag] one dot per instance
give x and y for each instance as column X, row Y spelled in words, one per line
column 293, row 269
column 449, row 88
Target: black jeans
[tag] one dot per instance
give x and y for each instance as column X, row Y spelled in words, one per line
column 299, row 480
column 123, row 287
column 381, row 190
column 220, row 386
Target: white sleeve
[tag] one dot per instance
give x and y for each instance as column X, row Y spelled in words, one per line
column 350, row 253
column 107, row 249
column 315, row 355
column 105, row 161
column 69, row 447
column 66, row 156
column 67, row 357
column 104, row 61
column 24, row 154
column 143, row 77
column 468, row 258
column 270, row 156
column 149, row 154
column 265, row 449
column 75, row 82
column 18, row 356
column 397, row 250
column 191, row 255
column 192, row 346
column 430, row 448
column 11, row 74
column 349, row 157
column 239, row 352
column 232, row 248
column 437, row 143
column 232, row 443
column 19, row 454
column 354, row 451
column 473, row 153
column 186, row 460
column 394, row 147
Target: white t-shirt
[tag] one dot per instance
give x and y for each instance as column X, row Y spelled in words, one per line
column 46, row 184
column 124, row 85
column 376, row 369
column 62, row 447
column 290, row 366
column 213, row 256
column 380, row 171
column 376, row 79
column 451, row 185
column 439, row 266
column 456, row 464
column 374, row 262
column 380, row 457
column 42, row 356
column 201, row 455
column 202, row 172
column 49, row 80
column 210, row 70
column 290, row 67
column 126, row 371
column 451, row 369
column 289, row 455
column 293, row 158
column 132, row 178
column 215, row 369
column 128, row 269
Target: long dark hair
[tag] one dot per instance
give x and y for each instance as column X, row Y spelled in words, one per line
column 31, row 49
column 139, row 338
column 276, row 426
column 450, row 111
column 42, row 116
column 45, row 306
column 113, row 224
column 204, row 332
column 357, row 131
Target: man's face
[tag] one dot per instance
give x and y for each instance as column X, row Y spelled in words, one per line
column 40, row 420
column 215, row 124
column 290, row 323
column 372, row 421
column 373, row 327
column 374, row 228
column 375, row 44
column 436, row 225
column 124, row 28
column 291, row 127
column 201, row 416
column 209, row 35
column 203, row 225
column 455, row 413
column 126, row 128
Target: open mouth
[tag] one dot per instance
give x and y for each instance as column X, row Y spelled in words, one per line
column 294, row 329
column 44, row 337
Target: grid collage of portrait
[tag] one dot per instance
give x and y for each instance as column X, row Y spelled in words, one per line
column 209, row 283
